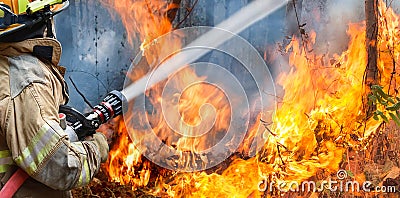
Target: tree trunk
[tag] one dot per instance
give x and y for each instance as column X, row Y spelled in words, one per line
column 371, row 72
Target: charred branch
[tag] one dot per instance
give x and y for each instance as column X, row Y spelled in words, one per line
column 173, row 8
column 292, row 19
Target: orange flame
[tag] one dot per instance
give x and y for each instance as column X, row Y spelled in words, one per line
column 144, row 19
column 140, row 17
column 389, row 46
column 319, row 116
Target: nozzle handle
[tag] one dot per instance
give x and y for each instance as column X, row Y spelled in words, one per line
column 111, row 106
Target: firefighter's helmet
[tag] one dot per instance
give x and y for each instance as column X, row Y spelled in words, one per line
column 23, row 19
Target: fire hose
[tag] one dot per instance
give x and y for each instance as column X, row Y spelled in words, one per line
column 86, row 124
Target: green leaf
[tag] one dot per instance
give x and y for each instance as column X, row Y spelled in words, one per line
column 372, row 98
column 378, row 97
column 395, row 118
column 384, row 96
column 370, row 94
column 394, row 107
column 380, row 113
column 391, row 100
column 376, row 87
column 385, row 118
column 350, row 174
column 379, row 91
column 376, row 117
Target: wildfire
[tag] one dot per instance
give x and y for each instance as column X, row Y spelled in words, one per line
column 319, row 117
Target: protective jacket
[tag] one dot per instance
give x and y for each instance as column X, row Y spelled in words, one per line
column 31, row 91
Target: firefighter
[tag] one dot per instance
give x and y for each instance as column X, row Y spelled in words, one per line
column 32, row 87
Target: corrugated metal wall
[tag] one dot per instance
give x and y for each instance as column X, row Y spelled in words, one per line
column 95, row 50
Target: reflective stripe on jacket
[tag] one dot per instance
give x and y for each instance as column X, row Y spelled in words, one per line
column 5, row 161
column 31, row 91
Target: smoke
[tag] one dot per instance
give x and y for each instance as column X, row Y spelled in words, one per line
column 330, row 22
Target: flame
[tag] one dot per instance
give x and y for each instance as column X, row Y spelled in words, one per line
column 389, row 46
column 143, row 19
column 319, row 117
column 125, row 163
